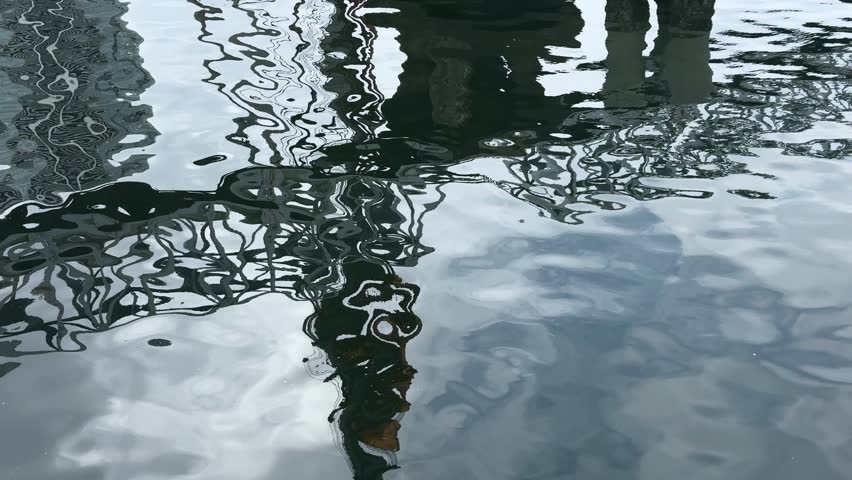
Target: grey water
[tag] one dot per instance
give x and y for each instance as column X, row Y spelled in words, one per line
column 425, row 239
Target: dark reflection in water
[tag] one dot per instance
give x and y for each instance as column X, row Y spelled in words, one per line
column 364, row 333
column 340, row 206
column 472, row 68
column 681, row 54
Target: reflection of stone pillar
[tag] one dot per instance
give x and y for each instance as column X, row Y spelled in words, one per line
column 627, row 23
column 627, row 16
column 682, row 49
column 686, row 15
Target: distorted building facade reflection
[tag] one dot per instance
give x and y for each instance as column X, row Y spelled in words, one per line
column 269, row 68
column 73, row 79
column 472, row 68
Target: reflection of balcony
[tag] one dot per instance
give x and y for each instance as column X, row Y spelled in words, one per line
column 75, row 71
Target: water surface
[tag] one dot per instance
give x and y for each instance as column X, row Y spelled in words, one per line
column 423, row 239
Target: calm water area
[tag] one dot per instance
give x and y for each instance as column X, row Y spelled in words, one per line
column 425, row 239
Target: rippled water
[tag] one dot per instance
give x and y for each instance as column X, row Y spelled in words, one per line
column 423, row 239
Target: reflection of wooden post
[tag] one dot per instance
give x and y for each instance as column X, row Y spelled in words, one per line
column 448, row 85
column 363, row 330
column 682, row 49
column 627, row 23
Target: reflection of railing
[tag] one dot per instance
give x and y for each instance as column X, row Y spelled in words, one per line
column 613, row 153
column 74, row 71
column 98, row 262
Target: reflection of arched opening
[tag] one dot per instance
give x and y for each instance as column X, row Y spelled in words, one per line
column 74, row 71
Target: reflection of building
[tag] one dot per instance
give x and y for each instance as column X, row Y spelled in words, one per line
column 363, row 331
column 116, row 254
column 469, row 86
column 606, row 151
column 75, row 73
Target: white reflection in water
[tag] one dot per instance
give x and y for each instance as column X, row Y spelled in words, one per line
column 230, row 398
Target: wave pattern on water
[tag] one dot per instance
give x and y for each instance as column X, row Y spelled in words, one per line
column 592, row 159
column 345, row 174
